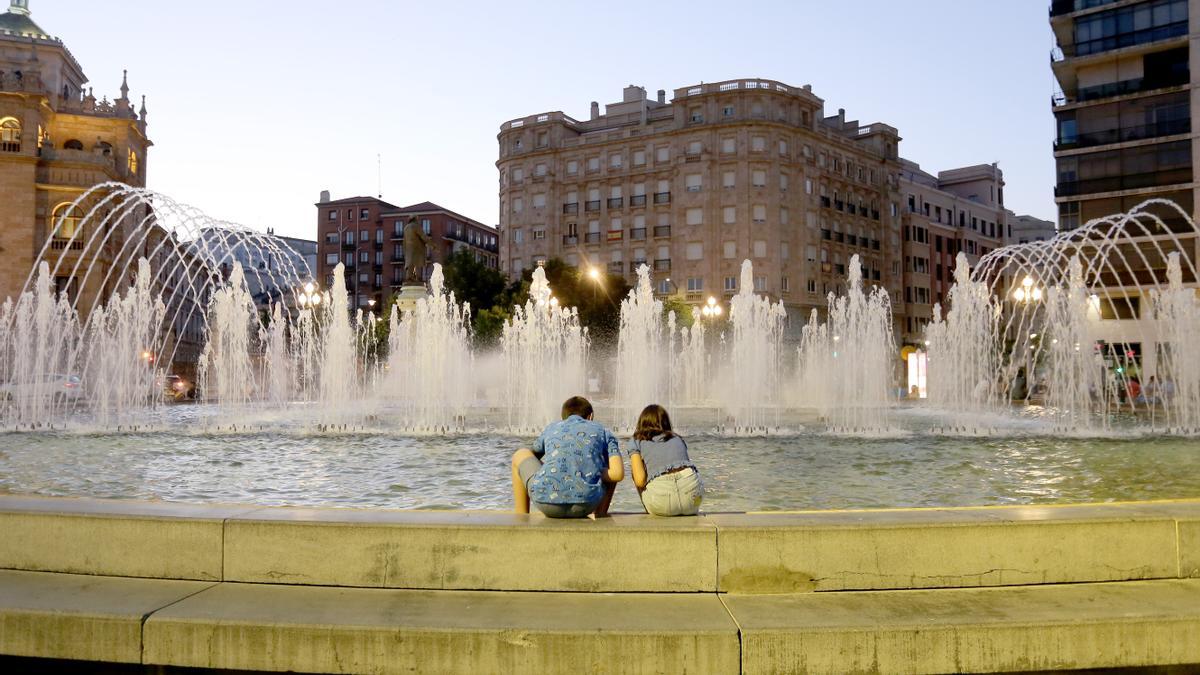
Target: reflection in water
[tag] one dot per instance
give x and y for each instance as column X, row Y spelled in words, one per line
column 806, row 471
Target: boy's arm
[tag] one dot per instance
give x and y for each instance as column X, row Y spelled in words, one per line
column 539, row 446
column 616, row 468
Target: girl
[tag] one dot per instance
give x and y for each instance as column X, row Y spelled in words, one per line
column 662, row 471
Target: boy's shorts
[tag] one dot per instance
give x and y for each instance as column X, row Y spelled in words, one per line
column 527, row 469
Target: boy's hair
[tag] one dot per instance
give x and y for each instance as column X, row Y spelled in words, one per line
column 652, row 423
column 577, row 405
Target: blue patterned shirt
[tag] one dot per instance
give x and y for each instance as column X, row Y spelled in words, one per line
column 574, row 454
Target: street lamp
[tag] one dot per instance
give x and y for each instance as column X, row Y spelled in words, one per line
column 711, row 309
column 1028, row 292
column 309, row 296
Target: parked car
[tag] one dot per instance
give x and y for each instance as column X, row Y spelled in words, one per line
column 176, row 388
column 57, row 388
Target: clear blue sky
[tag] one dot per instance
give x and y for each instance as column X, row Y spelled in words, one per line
column 256, row 106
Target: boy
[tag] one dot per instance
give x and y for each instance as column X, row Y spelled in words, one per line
column 573, row 469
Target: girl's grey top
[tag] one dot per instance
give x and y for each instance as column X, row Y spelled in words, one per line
column 662, row 455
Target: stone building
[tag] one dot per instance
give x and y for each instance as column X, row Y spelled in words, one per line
column 56, row 141
column 724, row 172
column 1028, row 229
column 367, row 235
column 960, row 210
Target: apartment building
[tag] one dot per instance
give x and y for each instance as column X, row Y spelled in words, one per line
column 960, row 210
column 1028, row 229
column 1124, row 113
column 723, row 172
column 367, row 235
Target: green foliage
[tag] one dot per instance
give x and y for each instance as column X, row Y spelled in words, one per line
column 471, row 281
column 489, row 326
column 683, row 310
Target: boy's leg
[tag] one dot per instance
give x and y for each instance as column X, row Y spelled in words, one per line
column 520, row 493
column 602, row 508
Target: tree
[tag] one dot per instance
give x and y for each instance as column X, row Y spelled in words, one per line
column 472, row 282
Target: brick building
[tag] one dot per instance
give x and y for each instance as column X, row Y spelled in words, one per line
column 367, row 235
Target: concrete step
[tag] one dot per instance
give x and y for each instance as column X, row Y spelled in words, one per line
column 87, row 618
column 735, row 553
column 270, row 627
column 1027, row 628
column 349, row 630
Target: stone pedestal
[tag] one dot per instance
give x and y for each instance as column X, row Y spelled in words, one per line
column 409, row 295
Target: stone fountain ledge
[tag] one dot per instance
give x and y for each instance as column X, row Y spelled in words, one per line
column 346, row 590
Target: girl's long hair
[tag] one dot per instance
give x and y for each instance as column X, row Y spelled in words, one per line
column 652, row 423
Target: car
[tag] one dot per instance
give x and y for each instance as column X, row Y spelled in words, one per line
column 57, row 388
column 176, row 388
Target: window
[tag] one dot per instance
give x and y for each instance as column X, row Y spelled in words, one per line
column 811, row 254
column 593, row 163
column 730, row 284
column 695, row 284
column 539, row 234
column 331, row 259
column 760, row 213
column 783, row 182
column 783, row 215
column 543, row 139
column 518, row 204
column 132, row 162
column 783, row 148
column 379, row 236
column 572, row 167
column 694, row 148
column 758, row 144
column 10, row 135
column 729, row 215
column 664, row 287
column 539, row 170
column 614, row 161
column 695, row 251
column 639, row 157
column 811, row 285
column 364, row 214
column 693, row 182
column 518, row 175
column 332, row 215
column 729, row 250
column 425, row 225
column 727, row 111
column 758, row 179
column 695, row 216
column 662, row 154
column 783, row 251
column 518, row 236
column 696, row 114
column 350, row 237
column 332, row 238
column 785, row 286
column 760, row 249
column 364, row 257
column 539, row 201
column 728, row 146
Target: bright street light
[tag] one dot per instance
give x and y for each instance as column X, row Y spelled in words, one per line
column 594, row 274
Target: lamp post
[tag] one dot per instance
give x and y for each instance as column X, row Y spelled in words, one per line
column 711, row 310
column 594, row 274
column 308, row 297
column 1028, row 293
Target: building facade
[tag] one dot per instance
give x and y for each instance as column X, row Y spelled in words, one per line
column 724, row 172
column 56, row 141
column 367, row 235
column 1126, row 134
column 1028, row 229
column 960, row 210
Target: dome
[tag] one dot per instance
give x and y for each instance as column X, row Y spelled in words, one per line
column 16, row 21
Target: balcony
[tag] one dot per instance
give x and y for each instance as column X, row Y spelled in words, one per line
column 616, row 268
column 839, row 205
column 1060, row 7
column 874, row 214
column 635, row 264
column 862, row 211
column 1125, row 134
column 1120, row 41
column 573, row 207
column 825, row 202
column 826, row 235
column 570, row 240
column 593, row 205
column 592, row 237
column 637, row 233
column 662, row 230
column 397, row 235
column 1127, row 182
column 616, row 203
column 397, row 259
column 662, row 197
column 60, row 244
column 1126, row 87
column 663, row 265
column 637, row 200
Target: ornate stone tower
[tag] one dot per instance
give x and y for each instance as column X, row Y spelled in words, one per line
column 56, row 141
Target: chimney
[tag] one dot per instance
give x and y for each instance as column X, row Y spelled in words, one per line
column 808, row 88
column 595, row 109
column 662, row 96
column 324, row 196
column 842, row 116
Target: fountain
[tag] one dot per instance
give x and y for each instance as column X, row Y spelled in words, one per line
column 301, row 400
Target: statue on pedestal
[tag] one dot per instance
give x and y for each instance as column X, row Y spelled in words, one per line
column 416, row 243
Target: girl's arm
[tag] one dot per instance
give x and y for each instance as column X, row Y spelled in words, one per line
column 638, row 467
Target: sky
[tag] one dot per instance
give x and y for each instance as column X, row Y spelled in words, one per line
column 257, row 106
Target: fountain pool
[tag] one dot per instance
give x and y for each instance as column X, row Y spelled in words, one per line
column 188, row 458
